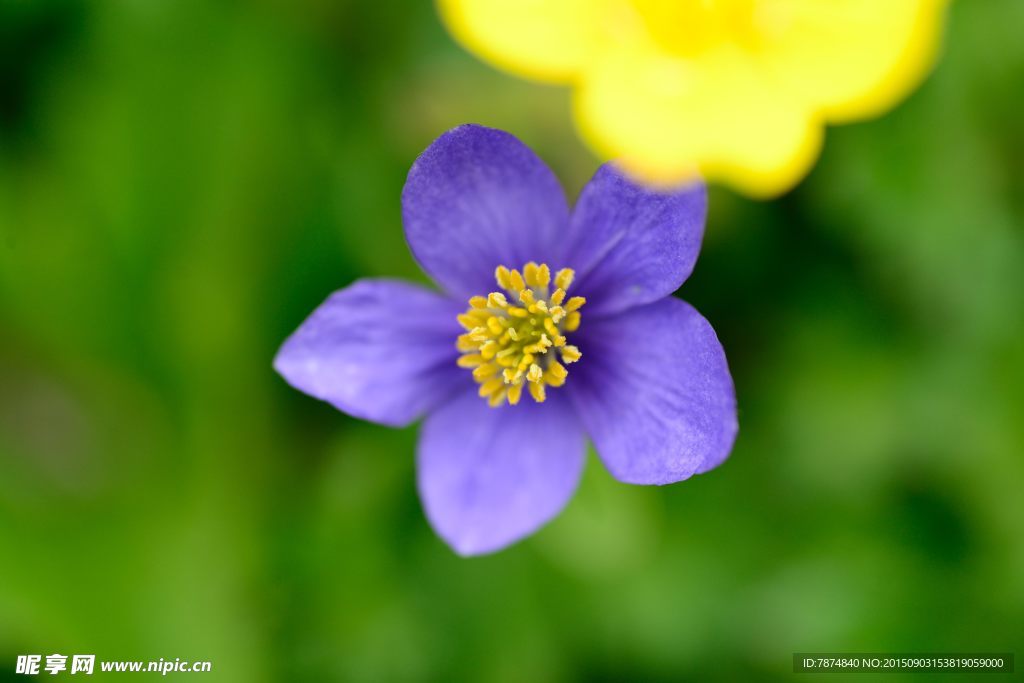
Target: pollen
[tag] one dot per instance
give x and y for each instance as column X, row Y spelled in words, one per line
column 515, row 337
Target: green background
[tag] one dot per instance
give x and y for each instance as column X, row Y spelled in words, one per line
column 182, row 182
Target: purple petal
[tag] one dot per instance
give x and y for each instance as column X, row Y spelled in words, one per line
column 490, row 476
column 380, row 350
column 632, row 245
column 478, row 198
column 654, row 392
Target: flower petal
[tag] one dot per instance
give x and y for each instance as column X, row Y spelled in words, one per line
column 478, row 198
column 654, row 393
column 671, row 119
column 850, row 59
column 490, row 476
column 543, row 39
column 380, row 350
column 634, row 245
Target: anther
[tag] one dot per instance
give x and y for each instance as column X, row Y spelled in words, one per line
column 574, row 303
column 516, row 281
column 570, row 354
column 563, row 280
column 530, row 274
column 502, row 275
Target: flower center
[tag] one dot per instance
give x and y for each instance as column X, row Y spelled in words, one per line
column 688, row 27
column 514, row 339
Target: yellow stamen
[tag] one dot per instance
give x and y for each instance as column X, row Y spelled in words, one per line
column 571, row 354
column 485, row 371
column 558, row 370
column 503, row 277
column 574, row 303
column 534, row 374
column 550, row 327
column 543, row 275
column 511, row 346
column 563, row 280
column 553, row 381
column 491, row 385
column 530, row 274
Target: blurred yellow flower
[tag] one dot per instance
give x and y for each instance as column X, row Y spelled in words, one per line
column 734, row 90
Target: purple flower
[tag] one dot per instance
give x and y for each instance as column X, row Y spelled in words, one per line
column 554, row 327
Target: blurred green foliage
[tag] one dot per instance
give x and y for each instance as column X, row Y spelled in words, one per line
column 181, row 182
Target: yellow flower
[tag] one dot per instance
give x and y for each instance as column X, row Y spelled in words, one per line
column 734, row 90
